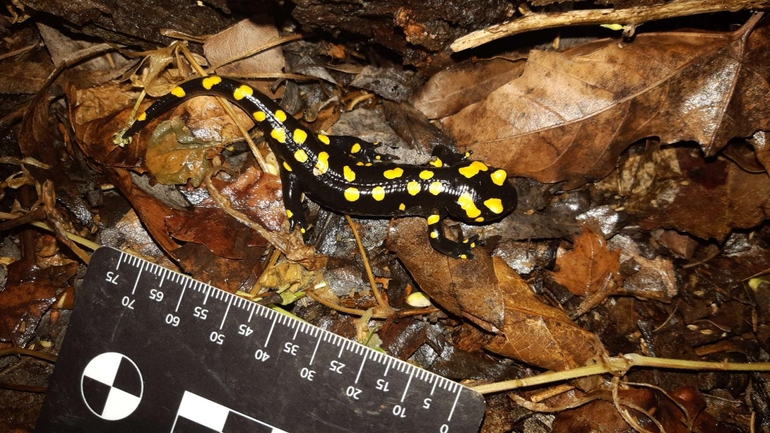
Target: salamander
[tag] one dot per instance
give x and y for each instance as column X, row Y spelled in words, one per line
column 347, row 175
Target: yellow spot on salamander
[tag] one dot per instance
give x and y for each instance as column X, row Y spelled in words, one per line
column 289, row 213
column 242, row 92
column 463, row 256
column 393, row 173
column 322, row 165
column 286, row 166
column 279, row 134
column 466, row 202
column 435, row 188
column 348, row 174
column 494, row 204
column 479, row 219
column 300, row 155
column 437, row 162
column 323, row 139
column 473, row 169
column 352, row 194
column 142, row 117
column 434, row 234
column 178, row 92
column 280, row 115
column 300, row 136
column 210, row 82
column 378, row 193
column 498, row 177
column 413, row 187
column 259, row 116
column 302, row 230
column 360, row 163
column 402, row 207
column 426, row 174
column 433, row 219
column 355, row 148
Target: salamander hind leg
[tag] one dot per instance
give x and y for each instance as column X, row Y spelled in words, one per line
column 442, row 244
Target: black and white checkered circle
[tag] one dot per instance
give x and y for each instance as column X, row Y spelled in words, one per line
column 112, row 386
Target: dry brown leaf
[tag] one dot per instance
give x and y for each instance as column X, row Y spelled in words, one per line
column 466, row 288
column 537, row 333
column 602, row 416
column 240, row 39
column 570, row 115
column 643, row 277
column 28, row 293
column 678, row 189
column 489, row 293
column 448, row 91
column 590, row 267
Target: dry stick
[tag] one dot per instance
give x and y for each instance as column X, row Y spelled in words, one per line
column 619, row 365
column 337, row 307
column 631, row 16
column 39, row 224
column 27, row 352
column 377, row 295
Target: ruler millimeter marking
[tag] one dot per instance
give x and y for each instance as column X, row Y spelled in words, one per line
column 152, row 349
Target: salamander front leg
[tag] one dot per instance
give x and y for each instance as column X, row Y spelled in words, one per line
column 442, row 244
column 361, row 150
column 445, row 156
column 292, row 201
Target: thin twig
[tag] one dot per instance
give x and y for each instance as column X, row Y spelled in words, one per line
column 27, row 352
column 377, row 295
column 632, row 17
column 93, row 246
column 619, row 365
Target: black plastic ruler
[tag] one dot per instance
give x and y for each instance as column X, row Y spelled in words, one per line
column 151, row 350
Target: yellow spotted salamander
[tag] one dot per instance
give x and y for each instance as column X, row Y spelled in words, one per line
column 346, row 175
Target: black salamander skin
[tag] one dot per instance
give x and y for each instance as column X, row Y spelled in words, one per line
column 346, row 175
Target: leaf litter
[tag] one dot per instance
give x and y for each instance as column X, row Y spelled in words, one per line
column 640, row 244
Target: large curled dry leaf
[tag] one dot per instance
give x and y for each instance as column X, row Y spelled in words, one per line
column 452, row 89
column 570, row 115
column 488, row 292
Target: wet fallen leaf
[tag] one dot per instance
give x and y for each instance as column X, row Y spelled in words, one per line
column 590, row 267
column 258, row 195
column 490, row 294
column 706, row 198
column 570, row 115
column 602, row 416
column 29, row 292
column 172, row 162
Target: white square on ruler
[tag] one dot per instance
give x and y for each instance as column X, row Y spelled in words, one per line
column 203, row 411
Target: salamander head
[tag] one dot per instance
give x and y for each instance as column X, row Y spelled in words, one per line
column 487, row 196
